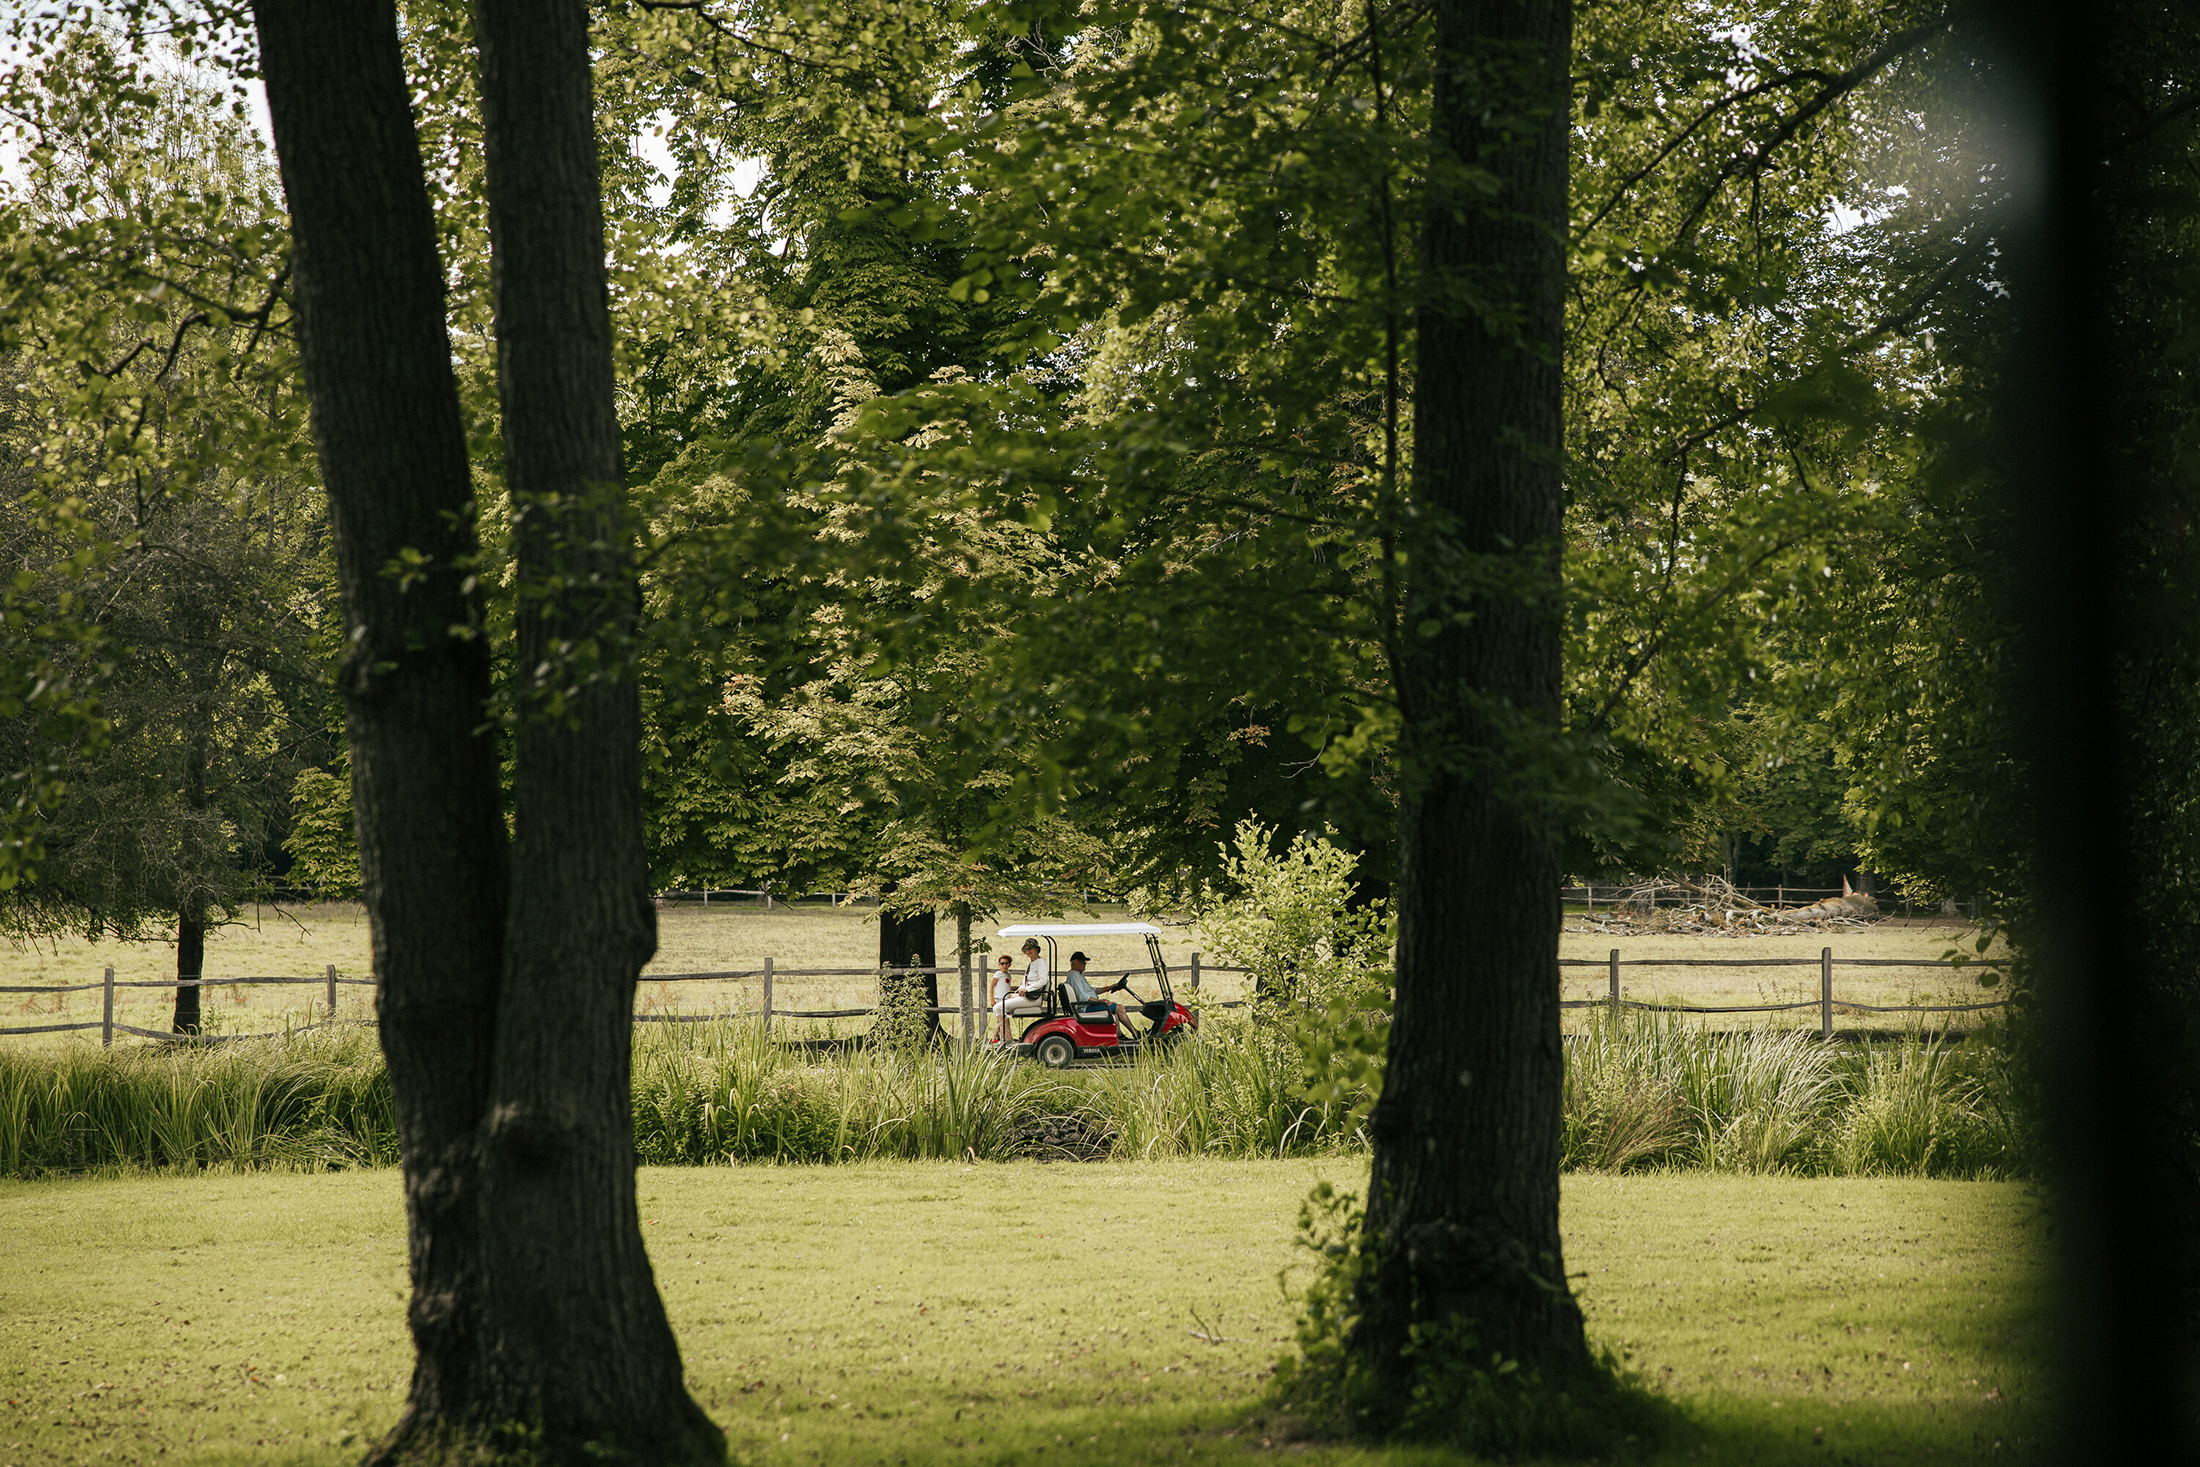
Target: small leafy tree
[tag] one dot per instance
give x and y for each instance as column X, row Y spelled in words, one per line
column 1292, row 925
column 323, row 846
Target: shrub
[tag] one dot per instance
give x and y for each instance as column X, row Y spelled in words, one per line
column 1290, row 924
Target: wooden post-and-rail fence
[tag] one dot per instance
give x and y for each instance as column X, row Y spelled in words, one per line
column 1825, row 1003
column 108, row 1026
column 768, row 975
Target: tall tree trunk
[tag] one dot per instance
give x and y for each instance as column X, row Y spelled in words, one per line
column 191, row 913
column 377, row 365
column 911, row 940
column 2096, row 410
column 1463, row 1200
column 586, row 1349
column 190, row 967
column 533, row 1303
column 965, row 979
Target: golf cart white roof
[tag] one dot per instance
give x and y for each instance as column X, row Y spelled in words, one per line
column 1079, row 929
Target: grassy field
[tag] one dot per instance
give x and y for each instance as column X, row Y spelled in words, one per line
column 868, row 1314
column 304, row 941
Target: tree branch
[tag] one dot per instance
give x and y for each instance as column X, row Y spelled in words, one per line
column 1754, row 161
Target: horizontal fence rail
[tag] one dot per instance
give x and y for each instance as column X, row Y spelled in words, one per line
column 769, row 974
column 736, row 895
column 1825, row 1003
column 1653, row 893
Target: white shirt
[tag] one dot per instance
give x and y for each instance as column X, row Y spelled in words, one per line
column 1035, row 979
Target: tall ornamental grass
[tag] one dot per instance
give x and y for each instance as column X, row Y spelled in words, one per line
column 1651, row 1091
column 725, row 1092
column 1648, row 1092
column 310, row 1101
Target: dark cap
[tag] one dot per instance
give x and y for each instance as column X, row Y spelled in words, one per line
column 1079, row 958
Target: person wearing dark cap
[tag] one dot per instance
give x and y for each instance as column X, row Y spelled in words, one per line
column 1087, row 998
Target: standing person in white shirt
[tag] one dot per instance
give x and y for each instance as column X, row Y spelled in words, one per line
column 1030, row 997
column 1003, row 983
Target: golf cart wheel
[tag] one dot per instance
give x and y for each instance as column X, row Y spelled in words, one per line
column 1055, row 1051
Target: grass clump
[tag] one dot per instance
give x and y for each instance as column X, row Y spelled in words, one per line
column 1651, row 1091
column 1922, row 1108
column 728, row 1092
column 1646, row 1093
column 308, row 1102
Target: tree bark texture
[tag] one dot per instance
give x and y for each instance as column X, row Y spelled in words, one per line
column 911, row 940
column 190, row 968
column 1463, row 1200
column 368, row 290
column 533, row 1305
column 191, row 913
column 586, row 1349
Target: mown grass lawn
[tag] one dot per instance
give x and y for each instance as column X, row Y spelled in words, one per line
column 929, row 1313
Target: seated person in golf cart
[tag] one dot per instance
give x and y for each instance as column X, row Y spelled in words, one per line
column 1085, row 1000
column 1077, row 1022
column 1027, row 998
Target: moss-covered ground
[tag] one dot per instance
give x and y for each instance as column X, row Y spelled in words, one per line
column 930, row 1313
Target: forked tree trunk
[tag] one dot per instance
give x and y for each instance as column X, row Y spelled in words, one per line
column 1463, row 1200
column 533, row 1305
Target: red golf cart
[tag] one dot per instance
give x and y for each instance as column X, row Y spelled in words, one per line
column 1074, row 1022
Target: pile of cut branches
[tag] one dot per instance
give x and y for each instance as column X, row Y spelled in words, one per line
column 1710, row 904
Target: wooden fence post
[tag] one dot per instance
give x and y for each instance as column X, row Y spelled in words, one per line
column 107, row 1019
column 767, row 995
column 1825, row 995
column 1614, row 970
column 1195, row 972
column 332, row 993
column 969, row 1010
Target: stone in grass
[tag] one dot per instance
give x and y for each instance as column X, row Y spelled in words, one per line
column 1060, row 1137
